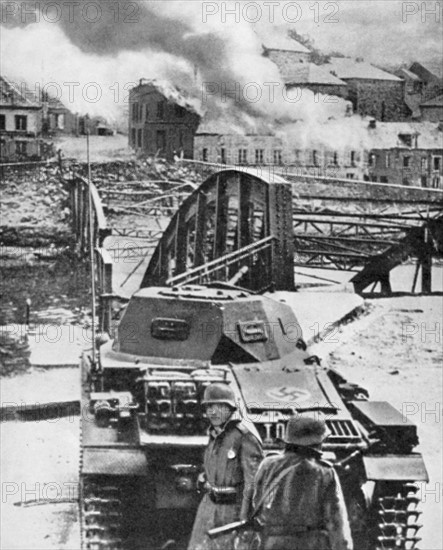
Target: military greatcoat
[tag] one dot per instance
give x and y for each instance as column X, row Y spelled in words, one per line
column 306, row 509
column 231, row 461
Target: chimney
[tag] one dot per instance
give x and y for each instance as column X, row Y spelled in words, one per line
column 372, row 123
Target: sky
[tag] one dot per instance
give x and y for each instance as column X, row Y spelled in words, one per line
column 89, row 54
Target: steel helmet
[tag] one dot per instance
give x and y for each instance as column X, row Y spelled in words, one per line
column 219, row 393
column 305, row 431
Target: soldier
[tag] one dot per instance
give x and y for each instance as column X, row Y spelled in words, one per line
column 304, row 508
column 230, row 464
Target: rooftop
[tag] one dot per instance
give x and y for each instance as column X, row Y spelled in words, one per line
column 347, row 68
column 14, row 94
column 309, row 73
column 173, row 94
column 434, row 69
column 283, row 42
column 386, row 135
column 434, row 102
column 409, row 74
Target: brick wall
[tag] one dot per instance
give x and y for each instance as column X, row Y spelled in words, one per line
column 381, row 99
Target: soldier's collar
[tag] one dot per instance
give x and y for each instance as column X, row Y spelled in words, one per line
column 232, row 421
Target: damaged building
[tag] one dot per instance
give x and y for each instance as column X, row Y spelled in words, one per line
column 20, row 124
column 162, row 120
column 407, row 154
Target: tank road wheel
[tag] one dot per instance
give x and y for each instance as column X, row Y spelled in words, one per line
column 358, row 518
column 100, row 514
column 395, row 517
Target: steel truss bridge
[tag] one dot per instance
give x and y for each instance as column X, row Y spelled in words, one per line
column 242, row 227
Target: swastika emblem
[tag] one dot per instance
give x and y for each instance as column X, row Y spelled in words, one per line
column 288, row 393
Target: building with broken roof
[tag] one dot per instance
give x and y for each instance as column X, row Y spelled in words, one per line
column 372, row 91
column 162, row 120
column 406, row 154
column 57, row 118
column 20, row 123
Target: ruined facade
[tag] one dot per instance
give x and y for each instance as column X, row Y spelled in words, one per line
column 57, row 118
column 161, row 120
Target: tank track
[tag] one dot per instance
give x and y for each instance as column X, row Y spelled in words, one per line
column 100, row 514
column 396, row 517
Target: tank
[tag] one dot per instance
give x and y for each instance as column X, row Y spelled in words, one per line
column 144, row 430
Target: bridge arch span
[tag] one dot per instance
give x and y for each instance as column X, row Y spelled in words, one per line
column 237, row 226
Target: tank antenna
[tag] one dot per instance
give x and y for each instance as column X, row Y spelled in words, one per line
column 91, row 249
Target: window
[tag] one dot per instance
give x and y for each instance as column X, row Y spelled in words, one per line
column 388, row 160
column 259, row 155
column 223, row 155
column 383, row 179
column 135, row 112
column 242, row 156
column 180, row 111
column 437, row 163
column 161, row 140
column 350, row 176
column 21, row 147
column 353, row 158
column 21, row 122
column 139, row 138
column 335, row 158
column 277, row 156
column 133, row 137
column 2, row 122
column 406, row 139
column 406, row 162
column 205, row 154
column 315, row 157
column 161, row 110
column 424, row 164
column 372, row 159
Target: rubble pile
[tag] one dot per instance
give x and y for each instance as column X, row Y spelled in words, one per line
column 133, row 173
column 34, row 208
column 128, row 189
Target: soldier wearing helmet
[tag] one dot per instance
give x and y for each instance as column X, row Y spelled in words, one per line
column 231, row 460
column 305, row 509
